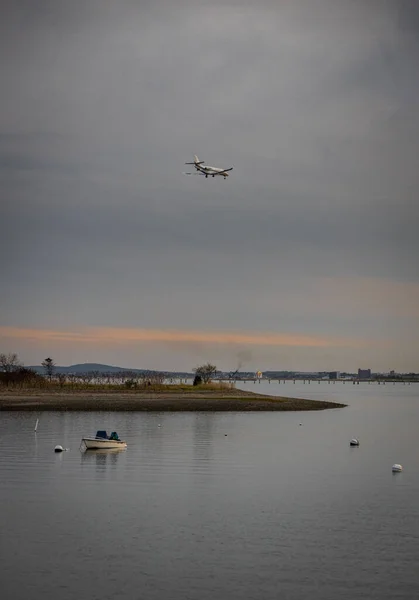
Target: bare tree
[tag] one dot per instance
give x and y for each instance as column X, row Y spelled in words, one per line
column 62, row 378
column 72, row 379
column 149, row 378
column 9, row 362
column 157, row 378
column 87, row 378
column 49, row 366
column 21, row 377
column 206, row 372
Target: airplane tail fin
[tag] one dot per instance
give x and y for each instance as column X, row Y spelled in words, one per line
column 196, row 161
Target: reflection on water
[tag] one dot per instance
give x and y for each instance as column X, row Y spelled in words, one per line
column 101, row 453
column 102, row 459
column 104, row 451
column 203, row 433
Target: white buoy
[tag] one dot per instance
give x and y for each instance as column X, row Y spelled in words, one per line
column 58, row 448
column 354, row 442
column 396, row 468
column 36, row 424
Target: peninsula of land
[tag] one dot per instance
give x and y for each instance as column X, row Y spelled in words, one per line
column 166, row 399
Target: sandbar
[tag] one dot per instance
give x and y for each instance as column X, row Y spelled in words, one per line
column 231, row 400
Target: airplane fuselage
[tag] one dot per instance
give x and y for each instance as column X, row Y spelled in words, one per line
column 207, row 170
column 213, row 171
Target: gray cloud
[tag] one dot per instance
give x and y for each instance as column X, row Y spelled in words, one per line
column 314, row 103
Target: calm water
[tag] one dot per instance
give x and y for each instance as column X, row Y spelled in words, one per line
column 216, row 506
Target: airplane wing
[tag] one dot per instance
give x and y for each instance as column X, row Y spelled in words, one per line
column 200, row 162
column 225, row 171
column 196, row 173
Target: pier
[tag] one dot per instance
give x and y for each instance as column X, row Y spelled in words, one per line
column 308, row 381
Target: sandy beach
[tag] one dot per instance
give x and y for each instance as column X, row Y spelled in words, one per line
column 144, row 400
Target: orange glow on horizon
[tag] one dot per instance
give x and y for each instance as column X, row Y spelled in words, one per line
column 104, row 335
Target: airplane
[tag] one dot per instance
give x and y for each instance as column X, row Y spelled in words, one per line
column 206, row 169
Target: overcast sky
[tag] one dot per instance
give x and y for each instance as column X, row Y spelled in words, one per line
column 305, row 258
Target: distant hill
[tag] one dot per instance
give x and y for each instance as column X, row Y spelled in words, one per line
column 88, row 368
column 99, row 368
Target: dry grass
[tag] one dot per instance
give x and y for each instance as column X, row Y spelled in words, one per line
column 80, row 387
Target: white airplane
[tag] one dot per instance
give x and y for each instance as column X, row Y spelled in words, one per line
column 206, row 169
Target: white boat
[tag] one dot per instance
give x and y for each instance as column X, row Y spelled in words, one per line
column 103, row 441
column 397, row 468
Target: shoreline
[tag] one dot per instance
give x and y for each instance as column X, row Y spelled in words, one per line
column 156, row 401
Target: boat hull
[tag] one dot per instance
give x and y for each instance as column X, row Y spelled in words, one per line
column 97, row 443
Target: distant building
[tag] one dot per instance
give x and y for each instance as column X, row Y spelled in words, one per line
column 334, row 374
column 364, row 373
